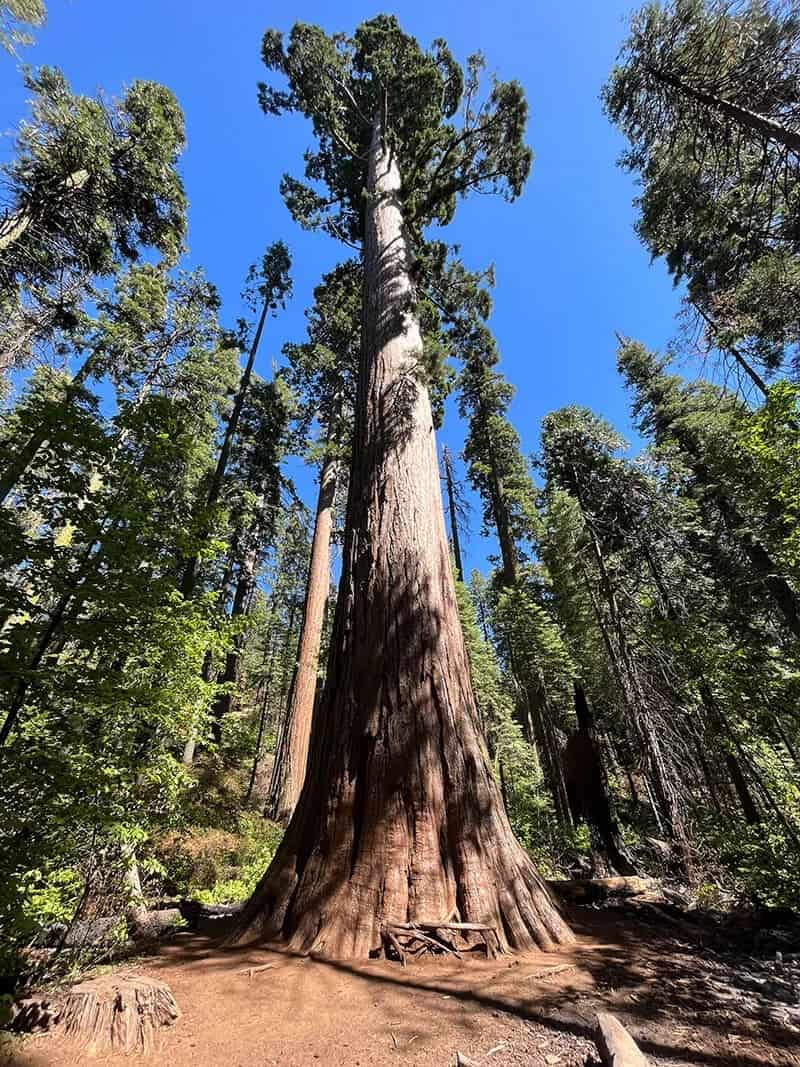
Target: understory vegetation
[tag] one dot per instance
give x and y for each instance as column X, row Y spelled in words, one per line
column 634, row 639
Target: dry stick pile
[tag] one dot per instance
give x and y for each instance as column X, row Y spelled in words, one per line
column 123, row 1012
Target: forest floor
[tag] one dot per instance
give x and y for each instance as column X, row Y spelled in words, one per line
column 682, row 1002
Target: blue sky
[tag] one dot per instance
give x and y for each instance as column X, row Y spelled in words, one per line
column 570, row 271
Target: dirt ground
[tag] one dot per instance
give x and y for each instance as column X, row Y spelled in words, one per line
column 536, row 1009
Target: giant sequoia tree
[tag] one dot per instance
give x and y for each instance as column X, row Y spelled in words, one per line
column 400, row 819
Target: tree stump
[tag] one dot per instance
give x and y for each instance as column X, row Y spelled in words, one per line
column 120, row 1012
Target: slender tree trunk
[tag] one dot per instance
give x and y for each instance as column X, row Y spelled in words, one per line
column 751, row 373
column 549, row 756
column 242, row 599
column 190, row 572
column 776, row 585
column 289, row 772
column 787, row 744
column 707, row 775
column 270, row 653
column 262, row 722
column 508, row 551
column 659, row 777
column 280, row 766
column 447, row 463
column 744, row 759
column 749, row 809
column 400, row 818
column 135, row 903
column 750, row 120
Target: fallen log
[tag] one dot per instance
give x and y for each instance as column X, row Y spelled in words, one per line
column 151, row 925
column 589, row 890
column 615, row 1045
column 250, row 971
column 119, row 1012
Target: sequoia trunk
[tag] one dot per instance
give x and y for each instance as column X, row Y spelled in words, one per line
column 288, row 778
column 399, row 819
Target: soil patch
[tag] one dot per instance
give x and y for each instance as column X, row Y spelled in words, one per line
column 253, row 1007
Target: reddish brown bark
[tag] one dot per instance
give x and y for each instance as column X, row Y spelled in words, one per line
column 290, row 764
column 400, row 818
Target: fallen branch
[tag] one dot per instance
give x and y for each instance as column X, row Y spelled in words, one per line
column 480, row 928
column 250, row 971
column 548, row 972
column 428, row 935
column 390, row 939
column 615, row 1045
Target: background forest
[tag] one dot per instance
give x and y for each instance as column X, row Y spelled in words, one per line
column 173, row 478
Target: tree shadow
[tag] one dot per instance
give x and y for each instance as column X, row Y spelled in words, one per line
column 635, row 973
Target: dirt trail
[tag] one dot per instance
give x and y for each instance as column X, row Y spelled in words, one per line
column 536, row 1009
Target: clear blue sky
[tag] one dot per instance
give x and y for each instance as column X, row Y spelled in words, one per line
column 570, row 271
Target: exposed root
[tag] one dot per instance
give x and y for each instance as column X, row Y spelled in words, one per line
column 403, row 939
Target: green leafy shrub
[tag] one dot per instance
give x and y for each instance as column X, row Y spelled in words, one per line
column 763, row 863
column 218, row 866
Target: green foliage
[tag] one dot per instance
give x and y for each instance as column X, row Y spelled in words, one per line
column 762, row 864
column 15, row 16
column 342, row 84
column 706, row 93
column 769, row 446
column 217, row 866
column 93, row 185
column 495, row 464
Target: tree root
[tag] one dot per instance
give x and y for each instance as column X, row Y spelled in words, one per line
column 427, row 937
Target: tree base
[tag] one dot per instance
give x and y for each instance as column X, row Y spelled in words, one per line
column 492, row 897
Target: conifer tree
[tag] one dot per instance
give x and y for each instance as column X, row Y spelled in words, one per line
column 268, row 286
column 93, row 185
column 578, row 457
column 706, row 93
column 397, row 718
column 496, row 467
column 323, row 372
column 668, row 409
column 254, row 498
